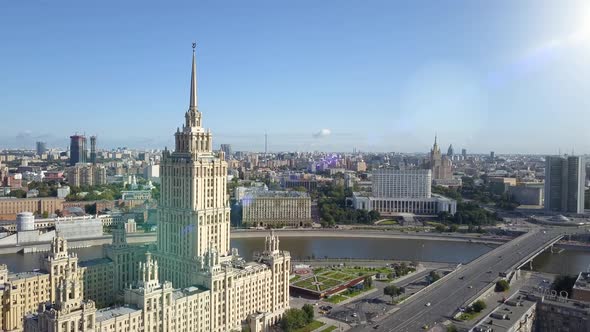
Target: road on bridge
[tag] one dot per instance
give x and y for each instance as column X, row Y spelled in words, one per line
column 446, row 296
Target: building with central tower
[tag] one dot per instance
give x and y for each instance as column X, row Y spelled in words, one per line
column 190, row 280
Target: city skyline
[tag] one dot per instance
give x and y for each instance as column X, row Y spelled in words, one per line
column 309, row 76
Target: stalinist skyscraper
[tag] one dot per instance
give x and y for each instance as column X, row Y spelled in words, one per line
column 194, row 233
column 194, row 207
column 190, row 281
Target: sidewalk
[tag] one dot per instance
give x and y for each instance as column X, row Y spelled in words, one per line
column 331, row 322
column 492, row 301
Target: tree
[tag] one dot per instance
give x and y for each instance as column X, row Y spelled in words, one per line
column 18, row 193
column 564, row 283
column 393, row 291
column 440, row 228
column 453, row 228
column 502, row 286
column 433, row 276
column 452, row 328
column 45, row 214
column 293, row 319
column 368, row 282
column 308, row 310
column 90, row 208
column 374, row 215
column 479, row 305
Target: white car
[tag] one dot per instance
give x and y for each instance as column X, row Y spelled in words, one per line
column 427, row 304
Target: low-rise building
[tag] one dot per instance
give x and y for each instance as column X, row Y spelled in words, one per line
column 10, row 207
column 276, row 208
column 581, row 289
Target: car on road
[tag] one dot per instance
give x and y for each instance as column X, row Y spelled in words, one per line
column 427, row 304
column 461, row 277
column 355, row 315
column 376, row 326
column 470, row 286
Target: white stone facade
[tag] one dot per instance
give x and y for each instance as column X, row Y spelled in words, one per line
column 393, row 183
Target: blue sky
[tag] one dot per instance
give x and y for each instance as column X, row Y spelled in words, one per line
column 509, row 76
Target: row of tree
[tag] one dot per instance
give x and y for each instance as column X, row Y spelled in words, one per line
column 294, row 318
column 333, row 208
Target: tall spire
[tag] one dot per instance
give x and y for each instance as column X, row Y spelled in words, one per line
column 193, row 102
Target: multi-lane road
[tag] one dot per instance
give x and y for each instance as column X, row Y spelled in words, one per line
column 442, row 300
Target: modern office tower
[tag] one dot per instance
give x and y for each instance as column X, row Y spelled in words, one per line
column 276, row 208
column 441, row 166
column 265, row 144
column 565, row 183
column 492, row 155
column 226, row 148
column 77, row 149
column 464, row 153
column 450, row 151
column 93, row 149
column 41, row 148
column 401, row 184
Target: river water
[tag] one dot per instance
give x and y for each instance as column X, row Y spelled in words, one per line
column 569, row 261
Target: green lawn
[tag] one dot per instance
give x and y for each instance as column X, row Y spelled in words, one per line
column 295, row 278
column 346, row 295
column 336, row 298
column 306, row 283
column 316, row 324
column 470, row 316
column 330, row 329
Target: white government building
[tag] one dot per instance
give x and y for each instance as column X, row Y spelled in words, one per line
column 190, row 281
column 403, row 191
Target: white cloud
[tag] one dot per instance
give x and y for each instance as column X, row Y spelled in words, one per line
column 322, row 133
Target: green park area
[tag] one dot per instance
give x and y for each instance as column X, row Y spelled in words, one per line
column 325, row 279
column 314, row 325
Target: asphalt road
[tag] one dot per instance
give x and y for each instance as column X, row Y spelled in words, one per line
column 447, row 296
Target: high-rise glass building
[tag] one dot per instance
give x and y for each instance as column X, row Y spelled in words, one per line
column 93, row 149
column 565, row 183
column 226, row 148
column 77, row 149
column 41, row 148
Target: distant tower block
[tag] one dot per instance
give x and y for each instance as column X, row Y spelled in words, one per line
column 77, row 149
column 93, row 149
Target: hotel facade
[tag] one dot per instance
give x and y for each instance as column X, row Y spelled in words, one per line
column 191, row 280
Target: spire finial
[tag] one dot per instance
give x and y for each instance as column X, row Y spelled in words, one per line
column 193, row 99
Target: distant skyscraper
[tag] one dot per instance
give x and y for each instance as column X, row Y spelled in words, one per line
column 439, row 164
column 265, row 143
column 464, row 153
column 41, row 148
column 492, row 155
column 77, row 149
column 565, row 183
column 226, row 148
column 450, row 151
column 93, row 149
